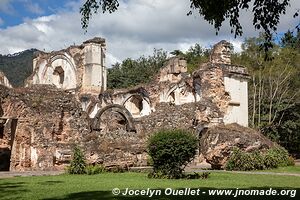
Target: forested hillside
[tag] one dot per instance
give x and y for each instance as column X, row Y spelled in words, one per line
column 17, row 67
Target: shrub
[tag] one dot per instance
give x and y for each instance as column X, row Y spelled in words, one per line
column 118, row 169
column 243, row 161
column 291, row 161
column 78, row 163
column 171, row 151
column 94, row 169
column 196, row 175
column 272, row 158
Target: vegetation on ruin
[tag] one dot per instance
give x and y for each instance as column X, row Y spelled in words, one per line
column 101, row 185
column 78, row 165
column 94, row 169
column 171, row 151
column 272, row 158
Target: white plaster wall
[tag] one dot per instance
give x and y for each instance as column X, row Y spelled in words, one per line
column 146, row 108
column 41, row 67
column 69, row 74
column 94, row 111
column 4, row 81
column 33, row 156
column 45, row 71
column 104, row 74
column 92, row 54
column 94, row 61
column 238, row 107
column 132, row 108
column 181, row 97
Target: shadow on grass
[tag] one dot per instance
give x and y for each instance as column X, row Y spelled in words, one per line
column 204, row 194
column 15, row 190
column 9, row 190
column 50, row 182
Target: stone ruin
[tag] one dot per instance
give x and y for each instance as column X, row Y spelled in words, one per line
column 66, row 103
column 4, row 81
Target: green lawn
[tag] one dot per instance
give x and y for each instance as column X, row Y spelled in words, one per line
column 289, row 169
column 100, row 186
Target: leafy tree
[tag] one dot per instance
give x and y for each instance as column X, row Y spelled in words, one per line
column 291, row 40
column 266, row 13
column 134, row 72
column 194, row 56
column 274, row 92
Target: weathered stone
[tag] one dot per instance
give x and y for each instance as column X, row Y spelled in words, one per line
column 61, row 107
column 219, row 141
column 4, row 81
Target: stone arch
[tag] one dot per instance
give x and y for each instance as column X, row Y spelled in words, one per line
column 171, row 92
column 118, row 109
column 137, row 104
column 63, row 57
column 62, row 75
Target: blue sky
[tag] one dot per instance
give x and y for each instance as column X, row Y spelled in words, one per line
column 14, row 12
column 135, row 29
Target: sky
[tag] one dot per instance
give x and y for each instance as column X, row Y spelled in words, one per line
column 135, row 29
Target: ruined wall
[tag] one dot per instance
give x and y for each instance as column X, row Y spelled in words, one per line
column 4, row 81
column 49, row 123
column 112, row 127
column 80, row 68
column 236, row 84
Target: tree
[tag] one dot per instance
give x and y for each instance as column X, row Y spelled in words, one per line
column 266, row 13
column 291, row 40
column 132, row 72
column 194, row 56
column 274, row 94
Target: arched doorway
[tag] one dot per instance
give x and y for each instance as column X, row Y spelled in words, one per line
column 113, row 117
column 137, row 105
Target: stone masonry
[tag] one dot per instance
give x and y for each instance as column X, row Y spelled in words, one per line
column 65, row 103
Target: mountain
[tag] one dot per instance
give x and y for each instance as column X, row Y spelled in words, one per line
column 17, row 67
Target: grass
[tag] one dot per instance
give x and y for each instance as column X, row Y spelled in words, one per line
column 289, row 169
column 99, row 186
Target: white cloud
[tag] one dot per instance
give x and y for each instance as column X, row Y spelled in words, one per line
column 34, row 8
column 135, row 29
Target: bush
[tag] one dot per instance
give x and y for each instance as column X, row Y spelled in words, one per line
column 94, row 169
column 171, row 151
column 118, row 169
column 273, row 158
column 78, row 163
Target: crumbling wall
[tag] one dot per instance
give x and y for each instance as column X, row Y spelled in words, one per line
column 49, row 123
column 113, row 127
column 80, row 68
column 4, row 81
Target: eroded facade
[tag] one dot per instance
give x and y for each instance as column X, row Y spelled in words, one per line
column 4, row 81
column 66, row 103
column 78, row 68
